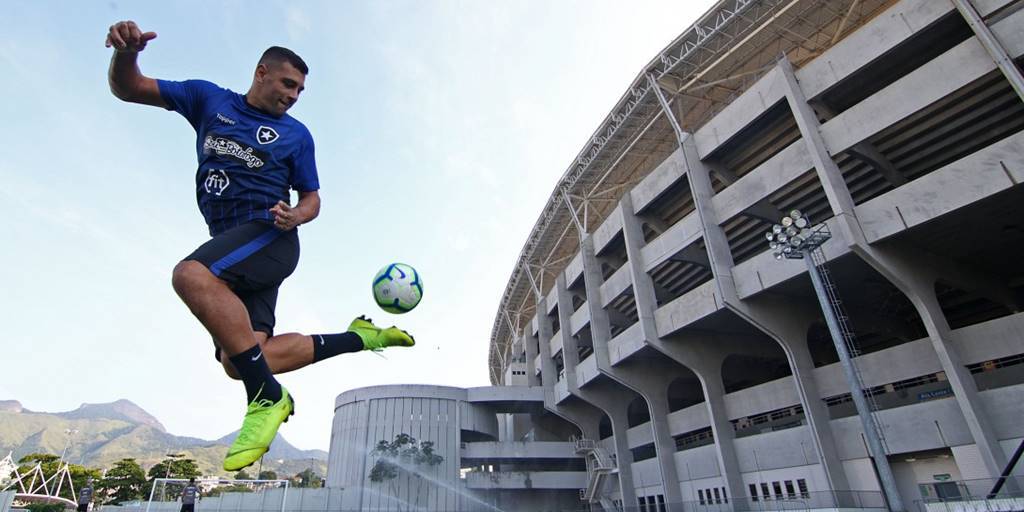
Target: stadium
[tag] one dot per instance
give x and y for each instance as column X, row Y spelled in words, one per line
column 698, row 368
column 651, row 352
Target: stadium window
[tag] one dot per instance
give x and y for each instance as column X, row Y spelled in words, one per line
column 764, row 491
column 753, row 492
column 790, row 492
column 700, row 495
column 725, row 495
column 642, row 502
column 718, row 497
column 661, row 503
column 801, row 484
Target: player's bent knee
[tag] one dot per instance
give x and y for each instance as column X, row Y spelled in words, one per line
column 188, row 275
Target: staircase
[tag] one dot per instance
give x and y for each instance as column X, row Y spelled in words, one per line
column 599, row 467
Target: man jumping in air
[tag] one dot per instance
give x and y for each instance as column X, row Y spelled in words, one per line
column 251, row 155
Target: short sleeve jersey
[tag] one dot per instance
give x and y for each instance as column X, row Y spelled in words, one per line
column 188, row 495
column 85, row 495
column 248, row 159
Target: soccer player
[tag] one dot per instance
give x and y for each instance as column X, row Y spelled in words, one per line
column 85, row 496
column 251, row 154
column 189, row 495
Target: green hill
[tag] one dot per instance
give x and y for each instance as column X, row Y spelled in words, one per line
column 107, row 433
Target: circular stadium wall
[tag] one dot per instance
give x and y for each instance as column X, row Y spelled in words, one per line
column 364, row 417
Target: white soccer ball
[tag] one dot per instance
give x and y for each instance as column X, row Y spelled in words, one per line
column 397, row 288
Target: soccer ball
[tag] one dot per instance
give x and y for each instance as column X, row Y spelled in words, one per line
column 397, row 288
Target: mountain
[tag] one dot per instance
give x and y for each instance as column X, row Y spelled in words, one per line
column 10, row 406
column 119, row 410
column 98, row 435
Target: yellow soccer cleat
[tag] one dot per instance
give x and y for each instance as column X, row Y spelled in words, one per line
column 262, row 420
column 374, row 338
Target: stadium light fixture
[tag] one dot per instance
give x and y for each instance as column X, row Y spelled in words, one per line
column 794, row 237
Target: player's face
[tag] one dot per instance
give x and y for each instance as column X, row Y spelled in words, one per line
column 280, row 87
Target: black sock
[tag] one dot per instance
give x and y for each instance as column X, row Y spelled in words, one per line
column 252, row 368
column 330, row 345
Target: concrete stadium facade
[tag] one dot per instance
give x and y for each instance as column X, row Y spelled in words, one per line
column 649, row 352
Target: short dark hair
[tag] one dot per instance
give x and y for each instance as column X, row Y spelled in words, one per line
column 277, row 55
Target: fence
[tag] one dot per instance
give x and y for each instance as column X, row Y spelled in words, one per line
column 974, row 496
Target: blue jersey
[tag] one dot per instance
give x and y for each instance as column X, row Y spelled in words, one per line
column 248, row 159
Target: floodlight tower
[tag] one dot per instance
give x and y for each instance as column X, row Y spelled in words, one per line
column 795, row 238
column 67, row 442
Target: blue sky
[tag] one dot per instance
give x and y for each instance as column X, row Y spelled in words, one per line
column 441, row 129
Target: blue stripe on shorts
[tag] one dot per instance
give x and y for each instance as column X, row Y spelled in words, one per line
column 244, row 251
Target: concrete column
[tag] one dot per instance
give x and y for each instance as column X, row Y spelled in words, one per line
column 531, row 346
column 908, row 278
column 650, row 382
column 721, row 263
column 777, row 323
column 790, row 322
column 585, row 418
column 704, row 356
column 911, row 273
column 610, row 398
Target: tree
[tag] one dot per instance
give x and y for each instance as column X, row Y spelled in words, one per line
column 404, row 454
column 42, row 458
column 268, row 475
column 174, row 468
column 171, row 467
column 123, row 482
column 242, row 475
column 307, row 478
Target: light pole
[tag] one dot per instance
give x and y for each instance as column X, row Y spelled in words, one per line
column 167, row 472
column 173, row 457
column 795, row 238
column 68, row 432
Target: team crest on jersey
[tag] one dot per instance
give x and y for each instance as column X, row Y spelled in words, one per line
column 266, row 134
column 216, row 181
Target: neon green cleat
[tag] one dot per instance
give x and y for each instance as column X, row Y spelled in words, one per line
column 375, row 338
column 258, row 430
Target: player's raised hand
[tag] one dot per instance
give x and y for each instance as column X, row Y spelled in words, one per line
column 126, row 36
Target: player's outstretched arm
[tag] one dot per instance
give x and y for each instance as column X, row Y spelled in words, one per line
column 126, row 80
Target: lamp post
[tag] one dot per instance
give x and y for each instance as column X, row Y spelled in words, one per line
column 67, row 443
column 173, row 457
column 795, row 238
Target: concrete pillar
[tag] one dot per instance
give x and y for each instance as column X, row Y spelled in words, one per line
column 531, row 345
column 790, row 322
column 585, row 418
column 612, row 399
column 778, row 323
column 908, row 277
column 721, row 263
column 650, row 382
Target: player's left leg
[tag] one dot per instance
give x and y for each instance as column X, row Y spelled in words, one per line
column 248, row 258
column 291, row 351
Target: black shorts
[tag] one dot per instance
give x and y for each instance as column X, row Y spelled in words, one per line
column 188, row 507
column 253, row 259
column 83, row 507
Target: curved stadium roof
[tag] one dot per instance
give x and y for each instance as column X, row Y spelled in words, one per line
column 711, row 63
